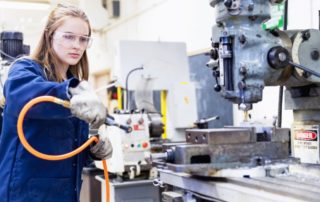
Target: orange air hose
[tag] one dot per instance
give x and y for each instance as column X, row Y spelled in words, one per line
column 38, row 154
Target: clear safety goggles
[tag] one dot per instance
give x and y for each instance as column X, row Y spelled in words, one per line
column 68, row 39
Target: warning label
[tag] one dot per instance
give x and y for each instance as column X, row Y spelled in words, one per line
column 305, row 141
column 307, row 135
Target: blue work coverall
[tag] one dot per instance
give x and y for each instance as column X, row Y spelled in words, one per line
column 50, row 129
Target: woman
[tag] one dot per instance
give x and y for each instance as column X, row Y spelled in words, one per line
column 58, row 67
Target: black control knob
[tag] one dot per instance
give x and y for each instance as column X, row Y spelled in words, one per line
column 217, row 88
column 214, row 53
column 278, row 57
column 228, row 3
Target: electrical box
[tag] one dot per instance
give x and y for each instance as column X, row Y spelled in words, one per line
column 129, row 149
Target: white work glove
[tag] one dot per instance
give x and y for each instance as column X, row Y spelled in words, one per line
column 102, row 150
column 86, row 105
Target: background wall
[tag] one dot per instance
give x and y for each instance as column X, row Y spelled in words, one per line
column 161, row 20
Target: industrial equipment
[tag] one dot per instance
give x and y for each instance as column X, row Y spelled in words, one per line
column 11, row 45
column 11, row 48
column 156, row 92
column 130, row 170
column 144, row 75
column 161, row 83
column 245, row 58
column 130, row 149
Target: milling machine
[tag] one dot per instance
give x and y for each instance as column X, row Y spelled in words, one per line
column 252, row 162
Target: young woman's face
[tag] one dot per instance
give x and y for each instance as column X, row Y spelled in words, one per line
column 70, row 40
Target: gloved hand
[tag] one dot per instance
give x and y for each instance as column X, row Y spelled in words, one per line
column 86, row 105
column 102, row 150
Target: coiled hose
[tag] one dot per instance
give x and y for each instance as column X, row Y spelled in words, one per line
column 38, row 154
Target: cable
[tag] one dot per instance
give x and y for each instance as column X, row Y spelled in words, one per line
column 38, row 154
column 127, row 81
column 9, row 56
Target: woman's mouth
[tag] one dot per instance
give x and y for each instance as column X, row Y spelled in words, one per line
column 74, row 55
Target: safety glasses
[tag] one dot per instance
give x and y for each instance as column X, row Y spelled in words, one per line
column 69, row 39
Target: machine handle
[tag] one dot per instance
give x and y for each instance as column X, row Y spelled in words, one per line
column 110, row 122
column 317, row 74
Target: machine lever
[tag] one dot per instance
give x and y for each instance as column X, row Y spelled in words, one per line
column 203, row 123
column 317, row 74
column 217, row 86
column 110, row 122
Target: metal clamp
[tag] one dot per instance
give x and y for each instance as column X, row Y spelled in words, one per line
column 158, row 183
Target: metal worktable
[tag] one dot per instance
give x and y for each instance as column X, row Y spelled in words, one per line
column 285, row 188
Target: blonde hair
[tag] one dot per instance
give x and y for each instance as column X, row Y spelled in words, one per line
column 44, row 53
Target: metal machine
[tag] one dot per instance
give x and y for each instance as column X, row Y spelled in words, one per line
column 143, row 75
column 11, row 48
column 143, row 71
column 245, row 58
column 250, row 58
column 161, row 84
column 130, row 148
column 132, row 174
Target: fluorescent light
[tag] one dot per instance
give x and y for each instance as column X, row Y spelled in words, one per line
column 23, row 5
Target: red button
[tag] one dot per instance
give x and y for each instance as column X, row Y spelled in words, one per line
column 136, row 127
column 145, row 144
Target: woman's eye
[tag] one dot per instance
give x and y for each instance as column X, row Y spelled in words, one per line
column 69, row 36
column 84, row 39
